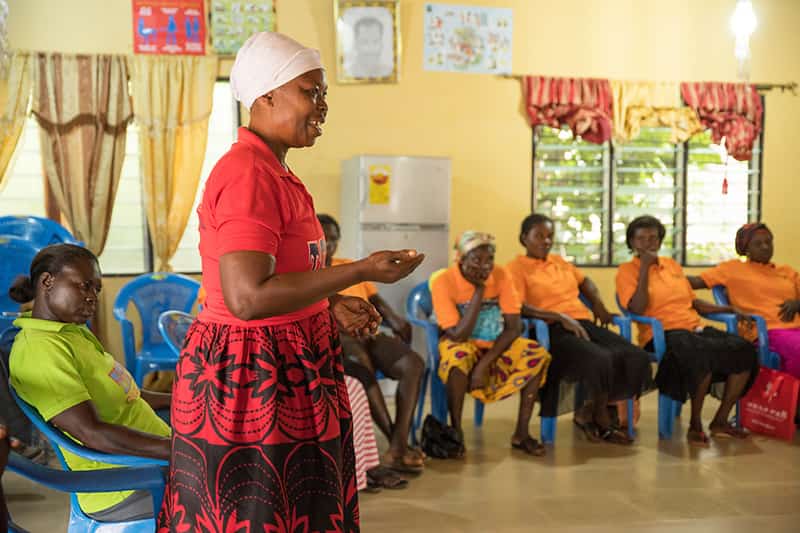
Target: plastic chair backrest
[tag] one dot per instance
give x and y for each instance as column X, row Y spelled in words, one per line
column 720, row 294
column 173, row 326
column 16, row 256
column 39, row 231
column 152, row 294
column 419, row 304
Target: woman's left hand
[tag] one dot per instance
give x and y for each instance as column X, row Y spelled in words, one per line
column 742, row 316
column 355, row 316
column 479, row 376
column 788, row 310
column 602, row 315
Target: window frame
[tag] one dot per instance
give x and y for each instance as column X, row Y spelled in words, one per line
column 149, row 256
column 681, row 215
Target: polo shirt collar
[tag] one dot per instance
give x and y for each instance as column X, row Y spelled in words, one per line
column 538, row 262
column 246, row 136
column 636, row 262
column 27, row 322
column 762, row 265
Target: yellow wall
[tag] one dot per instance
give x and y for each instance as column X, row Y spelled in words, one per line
column 475, row 119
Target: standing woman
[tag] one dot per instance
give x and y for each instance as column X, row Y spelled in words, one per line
column 262, row 426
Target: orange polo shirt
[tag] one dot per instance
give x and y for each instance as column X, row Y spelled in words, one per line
column 364, row 290
column 758, row 288
column 551, row 284
column 449, row 290
column 669, row 295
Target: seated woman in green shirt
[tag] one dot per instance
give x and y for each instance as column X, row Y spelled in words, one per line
column 59, row 367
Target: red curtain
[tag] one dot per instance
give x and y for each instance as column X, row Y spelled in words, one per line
column 729, row 110
column 583, row 104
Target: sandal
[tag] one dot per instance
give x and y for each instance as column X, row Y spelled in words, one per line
column 698, row 438
column 728, row 431
column 417, row 452
column 381, row 477
column 530, row 446
column 615, row 436
column 406, row 464
column 589, row 429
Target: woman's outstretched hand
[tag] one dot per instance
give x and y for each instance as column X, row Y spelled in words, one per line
column 390, row 266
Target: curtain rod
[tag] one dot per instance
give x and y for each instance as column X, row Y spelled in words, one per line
column 790, row 86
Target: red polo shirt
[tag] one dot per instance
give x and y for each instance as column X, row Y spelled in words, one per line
column 252, row 203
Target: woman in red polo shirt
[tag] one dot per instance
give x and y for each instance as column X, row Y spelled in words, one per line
column 262, row 427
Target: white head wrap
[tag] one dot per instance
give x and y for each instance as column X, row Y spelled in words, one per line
column 266, row 61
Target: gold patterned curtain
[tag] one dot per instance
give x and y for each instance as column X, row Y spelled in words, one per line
column 639, row 104
column 172, row 103
column 15, row 93
column 83, row 108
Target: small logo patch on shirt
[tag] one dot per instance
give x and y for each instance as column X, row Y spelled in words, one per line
column 122, row 377
column 316, row 254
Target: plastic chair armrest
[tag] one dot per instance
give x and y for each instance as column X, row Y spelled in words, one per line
column 106, row 480
column 625, row 327
column 541, row 328
column 729, row 319
column 659, row 341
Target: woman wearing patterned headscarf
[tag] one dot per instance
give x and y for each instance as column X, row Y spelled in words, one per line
column 262, row 429
column 759, row 287
column 480, row 350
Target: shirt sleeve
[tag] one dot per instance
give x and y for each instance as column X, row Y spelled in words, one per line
column 444, row 305
column 509, row 299
column 627, row 281
column 54, row 383
column 577, row 272
column 678, row 269
column 715, row 276
column 796, row 279
column 518, row 280
column 248, row 210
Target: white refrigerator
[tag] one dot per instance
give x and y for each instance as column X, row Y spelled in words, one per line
column 397, row 202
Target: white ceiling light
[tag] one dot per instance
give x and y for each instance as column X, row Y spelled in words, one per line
column 743, row 24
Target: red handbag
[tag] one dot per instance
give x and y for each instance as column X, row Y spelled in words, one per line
column 770, row 406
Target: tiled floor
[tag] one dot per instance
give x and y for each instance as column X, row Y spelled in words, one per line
column 650, row 487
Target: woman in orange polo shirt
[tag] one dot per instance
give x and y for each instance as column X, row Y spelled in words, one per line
column 696, row 357
column 610, row 367
column 391, row 355
column 480, row 350
column 763, row 288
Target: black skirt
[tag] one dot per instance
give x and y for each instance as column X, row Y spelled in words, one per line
column 691, row 356
column 607, row 364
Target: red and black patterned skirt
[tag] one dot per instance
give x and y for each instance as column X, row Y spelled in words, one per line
column 262, row 432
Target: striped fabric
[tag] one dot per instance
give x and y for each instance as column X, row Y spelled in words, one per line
column 363, row 434
column 729, row 110
column 584, row 104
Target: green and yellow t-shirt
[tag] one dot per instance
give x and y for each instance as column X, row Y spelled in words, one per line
column 55, row 366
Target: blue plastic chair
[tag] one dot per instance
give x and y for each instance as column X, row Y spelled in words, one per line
column 768, row 358
column 152, row 294
column 39, row 231
column 669, row 409
column 542, row 332
column 16, row 255
column 144, row 474
column 173, row 326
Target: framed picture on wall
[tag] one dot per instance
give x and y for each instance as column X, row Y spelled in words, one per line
column 368, row 47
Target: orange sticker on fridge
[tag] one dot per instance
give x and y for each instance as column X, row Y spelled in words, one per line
column 380, row 182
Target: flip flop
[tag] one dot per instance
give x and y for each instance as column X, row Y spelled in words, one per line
column 729, row 432
column 384, row 478
column 530, row 446
column 615, row 436
column 402, row 464
column 698, row 438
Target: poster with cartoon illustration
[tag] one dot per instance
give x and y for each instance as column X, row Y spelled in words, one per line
column 233, row 21
column 468, row 39
column 169, row 27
